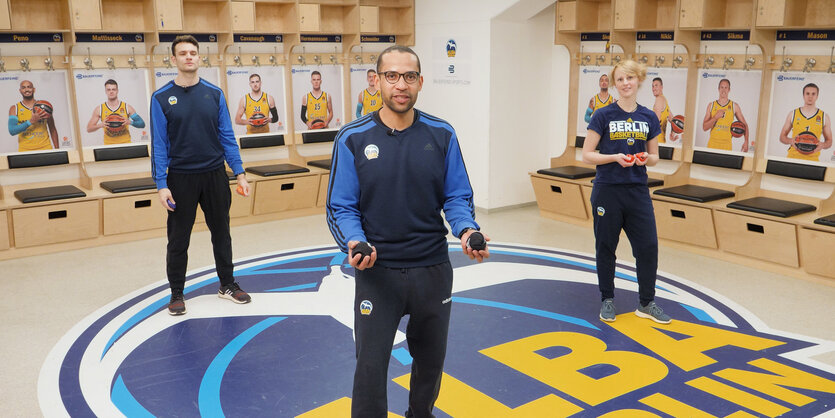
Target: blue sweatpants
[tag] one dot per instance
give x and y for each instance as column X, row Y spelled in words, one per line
column 628, row 208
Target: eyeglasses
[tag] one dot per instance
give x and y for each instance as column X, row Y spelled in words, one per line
column 393, row 77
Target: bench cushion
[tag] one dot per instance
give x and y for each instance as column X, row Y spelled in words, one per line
column 43, row 194
column 569, row 172
column 773, row 207
column 326, row 164
column 120, row 153
column 826, row 220
column 38, row 159
column 129, row 185
column 650, row 182
column 694, row 193
column 276, row 170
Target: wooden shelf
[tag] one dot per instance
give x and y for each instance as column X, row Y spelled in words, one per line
column 795, row 14
column 206, row 17
column 716, row 14
column 127, row 16
column 584, row 16
column 635, row 15
column 397, row 21
column 39, row 15
column 276, row 17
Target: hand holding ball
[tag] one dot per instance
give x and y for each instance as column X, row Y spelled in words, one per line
column 363, row 249
column 642, row 156
column 476, row 241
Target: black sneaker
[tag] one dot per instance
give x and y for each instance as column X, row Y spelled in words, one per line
column 177, row 305
column 234, row 293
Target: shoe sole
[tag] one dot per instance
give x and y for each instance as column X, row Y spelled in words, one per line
column 648, row 316
column 177, row 313
column 225, row 296
column 607, row 319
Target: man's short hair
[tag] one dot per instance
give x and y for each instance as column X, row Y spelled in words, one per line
column 726, row 81
column 183, row 38
column 811, row 85
column 371, row 71
column 254, row 75
column 315, row 73
column 111, row 81
column 658, row 79
column 396, row 48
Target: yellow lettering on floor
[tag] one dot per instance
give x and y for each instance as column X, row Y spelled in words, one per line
column 688, row 354
column 739, row 397
column 459, row 399
column 340, row 408
column 674, row 407
column 635, row 370
column 771, row 384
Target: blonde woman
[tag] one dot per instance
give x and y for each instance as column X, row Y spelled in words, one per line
column 628, row 135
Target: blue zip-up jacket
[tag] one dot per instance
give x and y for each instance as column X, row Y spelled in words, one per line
column 389, row 188
column 191, row 131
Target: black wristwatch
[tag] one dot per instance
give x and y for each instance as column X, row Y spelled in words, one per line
column 465, row 231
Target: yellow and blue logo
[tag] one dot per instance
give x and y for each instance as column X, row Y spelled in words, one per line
column 366, row 307
column 525, row 340
column 451, row 47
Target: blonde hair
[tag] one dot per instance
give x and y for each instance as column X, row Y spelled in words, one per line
column 630, row 67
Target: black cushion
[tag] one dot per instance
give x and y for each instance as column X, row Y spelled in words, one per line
column 569, row 172
column 826, row 220
column 39, row 159
column 654, row 182
column 773, row 207
column 318, row 136
column 326, row 164
column 129, row 185
column 694, row 193
column 231, row 175
column 801, row 171
column 276, row 170
column 262, row 141
column 718, row 160
column 120, row 153
column 48, row 193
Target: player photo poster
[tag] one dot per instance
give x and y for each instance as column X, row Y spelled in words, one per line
column 21, row 92
column 800, row 120
column 595, row 90
column 164, row 75
column 365, row 90
column 114, row 106
column 319, row 89
column 727, row 105
column 662, row 91
column 252, row 92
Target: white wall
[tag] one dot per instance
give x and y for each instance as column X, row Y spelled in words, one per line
column 511, row 42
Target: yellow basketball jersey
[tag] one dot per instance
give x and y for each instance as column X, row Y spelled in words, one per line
column 813, row 124
column 35, row 137
column 720, row 135
column 317, row 108
column 262, row 106
column 370, row 102
column 123, row 137
column 663, row 121
column 601, row 103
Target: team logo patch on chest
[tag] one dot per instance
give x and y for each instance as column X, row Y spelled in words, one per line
column 372, row 151
column 172, row 100
column 628, row 129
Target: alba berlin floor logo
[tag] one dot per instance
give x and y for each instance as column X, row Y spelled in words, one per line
column 525, row 341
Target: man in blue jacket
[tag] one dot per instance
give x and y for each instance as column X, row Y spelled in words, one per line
column 191, row 137
column 394, row 171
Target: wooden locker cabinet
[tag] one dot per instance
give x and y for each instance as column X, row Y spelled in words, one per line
column 55, row 223
column 757, row 238
column 559, row 197
column 309, row 17
column 684, row 223
column 369, row 19
column 169, row 14
column 243, row 16
column 816, row 251
column 86, row 14
column 133, row 213
column 4, row 230
column 323, row 190
column 5, row 15
column 241, row 205
column 285, row 194
column 567, row 16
